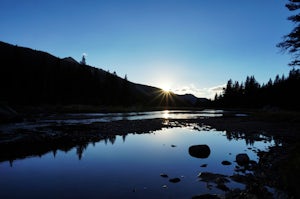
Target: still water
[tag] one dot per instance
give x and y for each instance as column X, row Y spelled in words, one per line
column 129, row 166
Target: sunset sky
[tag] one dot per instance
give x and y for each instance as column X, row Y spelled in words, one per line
column 187, row 46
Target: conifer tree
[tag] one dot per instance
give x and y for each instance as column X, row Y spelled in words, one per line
column 83, row 62
column 291, row 41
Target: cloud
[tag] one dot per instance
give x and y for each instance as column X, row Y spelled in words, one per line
column 200, row 92
column 218, row 88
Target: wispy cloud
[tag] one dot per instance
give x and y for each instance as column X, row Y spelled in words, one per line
column 200, row 92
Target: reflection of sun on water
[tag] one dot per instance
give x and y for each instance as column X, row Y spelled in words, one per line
column 166, row 114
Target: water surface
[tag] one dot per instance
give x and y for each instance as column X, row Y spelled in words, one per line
column 130, row 166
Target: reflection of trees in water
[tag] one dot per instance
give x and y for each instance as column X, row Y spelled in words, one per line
column 66, row 145
column 11, row 163
column 112, row 139
column 124, row 137
column 250, row 138
column 54, row 152
column 80, row 149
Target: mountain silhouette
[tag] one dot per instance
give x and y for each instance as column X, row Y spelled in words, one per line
column 32, row 77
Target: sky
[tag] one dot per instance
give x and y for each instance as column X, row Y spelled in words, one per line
column 186, row 46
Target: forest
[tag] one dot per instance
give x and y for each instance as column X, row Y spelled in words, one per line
column 282, row 92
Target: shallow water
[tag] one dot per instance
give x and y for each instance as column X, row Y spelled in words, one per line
column 129, row 166
column 88, row 118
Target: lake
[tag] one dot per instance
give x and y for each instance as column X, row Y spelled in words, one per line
column 132, row 165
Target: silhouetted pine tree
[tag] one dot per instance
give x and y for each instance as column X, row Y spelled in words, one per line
column 291, row 42
column 282, row 92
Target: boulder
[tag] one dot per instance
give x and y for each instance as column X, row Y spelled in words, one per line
column 164, row 175
column 242, row 159
column 225, row 162
column 174, row 180
column 199, row 151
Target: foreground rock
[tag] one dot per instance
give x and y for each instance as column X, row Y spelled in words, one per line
column 215, row 178
column 174, row 180
column 199, row 151
column 207, row 196
column 242, row 159
column 226, row 162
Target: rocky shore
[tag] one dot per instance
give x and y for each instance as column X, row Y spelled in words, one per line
column 276, row 168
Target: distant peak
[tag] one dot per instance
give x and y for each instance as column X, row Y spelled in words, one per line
column 70, row 59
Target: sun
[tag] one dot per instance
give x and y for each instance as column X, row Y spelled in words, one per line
column 166, row 87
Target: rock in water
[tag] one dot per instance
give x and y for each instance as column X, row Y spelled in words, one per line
column 174, row 180
column 164, row 175
column 213, row 177
column 242, row 159
column 199, row 151
column 225, row 162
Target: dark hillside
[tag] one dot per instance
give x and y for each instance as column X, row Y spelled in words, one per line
column 31, row 77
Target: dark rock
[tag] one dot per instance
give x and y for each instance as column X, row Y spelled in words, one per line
column 222, row 187
column 225, row 162
column 174, row 180
column 244, row 179
column 164, row 175
column 213, row 177
column 199, row 151
column 242, row 159
column 206, row 196
column 173, row 145
column 203, row 165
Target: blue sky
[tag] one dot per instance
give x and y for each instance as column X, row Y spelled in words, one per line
column 191, row 46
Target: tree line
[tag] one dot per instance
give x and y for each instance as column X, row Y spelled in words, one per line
column 282, row 92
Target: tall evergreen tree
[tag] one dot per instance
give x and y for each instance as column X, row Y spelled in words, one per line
column 83, row 61
column 291, row 42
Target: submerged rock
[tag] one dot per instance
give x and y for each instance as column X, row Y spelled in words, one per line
column 174, row 180
column 213, row 177
column 222, row 187
column 164, row 175
column 218, row 179
column 225, row 162
column 199, row 151
column 242, row 159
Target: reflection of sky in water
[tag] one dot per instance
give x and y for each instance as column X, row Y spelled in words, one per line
column 126, row 169
column 88, row 118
